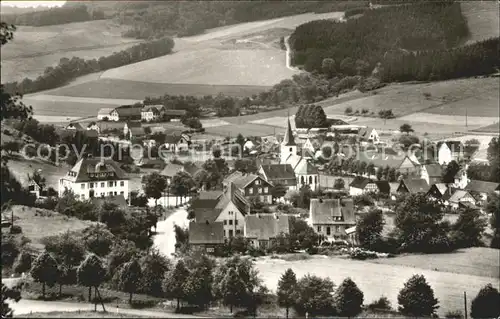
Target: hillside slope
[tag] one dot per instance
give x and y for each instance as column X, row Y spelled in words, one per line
column 482, row 18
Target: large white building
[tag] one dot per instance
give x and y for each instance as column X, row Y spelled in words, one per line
column 95, row 177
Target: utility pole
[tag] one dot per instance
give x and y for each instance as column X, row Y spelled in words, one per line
column 465, row 304
column 466, row 117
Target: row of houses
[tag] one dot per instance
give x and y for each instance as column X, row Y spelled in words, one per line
column 146, row 113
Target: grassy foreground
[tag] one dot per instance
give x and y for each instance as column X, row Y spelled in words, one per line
column 78, row 314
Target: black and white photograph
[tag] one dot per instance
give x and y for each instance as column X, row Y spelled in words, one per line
column 250, row 159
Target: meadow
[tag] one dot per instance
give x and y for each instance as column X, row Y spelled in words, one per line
column 381, row 279
column 35, row 48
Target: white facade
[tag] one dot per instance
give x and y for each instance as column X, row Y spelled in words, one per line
column 86, row 190
column 444, row 154
column 233, row 221
column 149, row 115
column 114, row 116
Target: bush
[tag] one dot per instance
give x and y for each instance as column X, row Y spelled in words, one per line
column 141, row 304
column 361, row 254
column 15, row 229
column 454, row 314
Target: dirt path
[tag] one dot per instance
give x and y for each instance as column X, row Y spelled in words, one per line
column 164, row 240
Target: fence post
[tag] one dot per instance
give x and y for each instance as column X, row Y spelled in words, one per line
column 465, row 304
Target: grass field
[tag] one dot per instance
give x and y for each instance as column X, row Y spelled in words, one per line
column 77, row 314
column 482, row 18
column 376, row 280
column 36, row 227
column 35, row 48
column 22, row 167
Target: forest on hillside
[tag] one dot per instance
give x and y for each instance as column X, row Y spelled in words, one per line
column 69, row 69
column 405, row 28
column 183, row 18
column 53, row 16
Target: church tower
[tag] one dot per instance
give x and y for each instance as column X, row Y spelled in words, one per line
column 288, row 146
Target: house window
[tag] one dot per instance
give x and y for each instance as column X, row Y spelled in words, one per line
column 315, row 179
column 260, row 190
column 82, row 196
column 257, row 182
column 225, row 222
column 110, row 194
column 122, row 193
column 122, row 183
column 319, row 228
column 110, row 184
column 102, row 184
column 250, row 191
column 238, row 231
column 210, row 249
column 225, row 233
column 236, row 222
column 230, row 233
column 83, row 186
column 328, row 230
column 266, row 190
column 230, row 222
column 310, row 180
column 91, row 185
column 338, row 229
column 291, row 149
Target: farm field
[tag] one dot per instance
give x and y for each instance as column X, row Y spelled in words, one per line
column 376, row 280
column 493, row 128
column 35, row 48
column 22, row 167
column 36, row 227
column 482, row 18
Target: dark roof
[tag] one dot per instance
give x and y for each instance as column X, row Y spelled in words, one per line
column 118, row 200
column 150, row 108
column 325, row 211
column 174, row 112
column 76, row 126
column 80, row 172
column 416, row 185
column 206, row 233
column 434, row 170
column 191, row 168
column 208, row 206
column 383, row 186
column 360, row 182
column 365, row 132
column 266, row 226
column 482, row 187
column 105, row 111
column 129, row 111
column 279, row 171
column 205, row 210
column 289, row 139
column 210, row 194
column 137, row 131
column 457, row 195
column 241, row 180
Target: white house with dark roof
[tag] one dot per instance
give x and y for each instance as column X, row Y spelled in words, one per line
column 362, row 185
column 282, row 174
column 332, row 217
column 432, row 173
column 95, row 177
column 107, row 113
column 151, row 112
column 483, row 189
column 251, row 185
column 262, row 229
column 450, row 151
column 368, row 134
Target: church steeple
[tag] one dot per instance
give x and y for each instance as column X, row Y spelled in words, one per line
column 289, row 140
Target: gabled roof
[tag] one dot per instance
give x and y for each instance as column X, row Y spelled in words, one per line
column 383, row 186
column 206, row 233
column 266, row 226
column 482, row 187
column 325, row 211
column 76, row 126
column 289, row 140
column 242, row 180
column 360, row 182
column 80, row 172
column 129, row 111
column 457, row 195
column 191, row 168
column 232, row 194
column 441, row 188
column 434, row 170
column 416, row 185
column 171, row 112
column 171, row 169
column 105, row 111
column 150, row 108
column 210, row 195
column 279, row 171
column 365, row 132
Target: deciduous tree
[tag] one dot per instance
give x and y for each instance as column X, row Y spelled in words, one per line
column 314, row 296
column 45, row 270
column 348, row 299
column 417, row 298
column 173, row 284
column 369, row 229
column 130, row 278
column 91, row 273
column 486, row 303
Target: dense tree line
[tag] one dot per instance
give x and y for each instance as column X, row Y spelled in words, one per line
column 358, row 45
column 309, row 116
column 69, row 69
column 52, row 16
column 152, row 19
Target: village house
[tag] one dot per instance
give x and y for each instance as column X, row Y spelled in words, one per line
column 413, row 186
column 171, row 170
column 368, row 134
column 74, row 126
column 281, row 174
column 34, row 188
column 127, row 113
column 410, row 166
column 95, row 177
column 251, row 185
column 458, row 196
column 151, row 113
column 305, row 172
column 332, row 217
column 450, row 151
column 261, row 230
column 107, row 114
column 437, row 191
column 228, row 206
column 461, row 179
column 362, row 185
column 207, row 236
column 93, row 127
column 432, row 173
column 482, row 189
column 173, row 115
column 176, row 143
